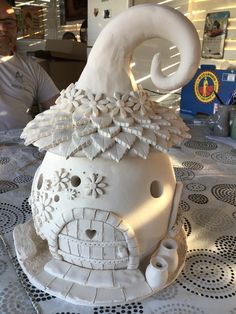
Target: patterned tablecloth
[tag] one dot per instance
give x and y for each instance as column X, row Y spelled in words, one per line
column 208, row 282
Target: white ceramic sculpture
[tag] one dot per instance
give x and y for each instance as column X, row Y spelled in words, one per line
column 168, row 250
column 157, row 272
column 105, row 195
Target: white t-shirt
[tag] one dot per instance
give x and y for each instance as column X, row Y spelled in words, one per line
column 23, row 82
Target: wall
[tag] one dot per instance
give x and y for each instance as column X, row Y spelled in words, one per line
column 50, row 26
column 63, row 72
column 73, row 26
column 196, row 11
column 168, row 53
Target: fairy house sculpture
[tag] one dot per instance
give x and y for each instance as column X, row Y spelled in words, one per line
column 105, row 198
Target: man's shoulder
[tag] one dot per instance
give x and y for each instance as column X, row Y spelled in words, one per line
column 27, row 62
column 24, row 58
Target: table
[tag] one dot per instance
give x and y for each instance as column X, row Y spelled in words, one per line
column 207, row 283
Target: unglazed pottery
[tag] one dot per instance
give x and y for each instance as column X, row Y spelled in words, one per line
column 168, row 251
column 105, row 195
column 157, row 272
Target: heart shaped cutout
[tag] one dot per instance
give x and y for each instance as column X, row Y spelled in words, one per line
column 90, row 233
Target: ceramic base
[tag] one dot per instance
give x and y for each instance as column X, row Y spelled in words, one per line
column 80, row 285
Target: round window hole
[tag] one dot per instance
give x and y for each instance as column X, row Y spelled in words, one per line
column 75, row 181
column 156, row 189
column 40, row 182
column 56, row 198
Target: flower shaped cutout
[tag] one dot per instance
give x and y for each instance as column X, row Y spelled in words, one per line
column 72, row 93
column 45, row 207
column 142, row 102
column 95, row 185
column 62, row 178
column 93, row 105
column 72, row 194
column 119, row 105
column 69, row 98
column 81, row 116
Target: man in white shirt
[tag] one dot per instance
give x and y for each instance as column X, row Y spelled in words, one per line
column 23, row 82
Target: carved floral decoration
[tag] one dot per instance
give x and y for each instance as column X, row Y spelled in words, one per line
column 45, row 207
column 43, row 202
column 72, row 194
column 42, row 209
column 61, row 179
column 95, row 185
column 102, row 125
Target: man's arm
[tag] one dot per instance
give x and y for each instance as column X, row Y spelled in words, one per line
column 37, row 108
column 50, row 102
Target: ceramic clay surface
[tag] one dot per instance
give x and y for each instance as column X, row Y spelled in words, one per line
column 105, row 195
